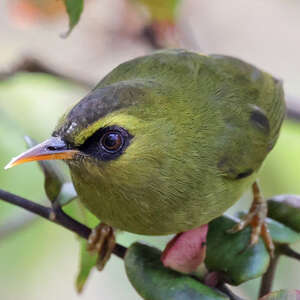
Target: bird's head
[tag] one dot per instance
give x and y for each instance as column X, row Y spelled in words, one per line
column 115, row 141
column 105, row 128
column 124, row 129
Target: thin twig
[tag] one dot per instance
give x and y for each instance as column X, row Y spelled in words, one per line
column 286, row 250
column 220, row 286
column 149, row 35
column 57, row 216
column 293, row 108
column 293, row 114
column 268, row 277
column 224, row 288
column 32, row 65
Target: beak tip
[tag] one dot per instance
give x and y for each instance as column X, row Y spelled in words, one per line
column 42, row 152
column 9, row 165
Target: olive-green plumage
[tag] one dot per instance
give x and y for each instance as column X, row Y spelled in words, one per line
column 201, row 127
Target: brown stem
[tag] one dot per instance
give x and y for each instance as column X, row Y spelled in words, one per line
column 149, row 35
column 35, row 66
column 57, row 216
column 268, row 277
column 286, row 250
column 223, row 288
column 293, row 114
column 293, row 108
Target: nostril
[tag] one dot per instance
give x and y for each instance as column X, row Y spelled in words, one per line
column 51, row 148
column 54, row 144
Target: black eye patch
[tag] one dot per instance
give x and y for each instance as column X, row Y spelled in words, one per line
column 107, row 143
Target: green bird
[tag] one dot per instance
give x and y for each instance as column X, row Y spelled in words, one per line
column 169, row 141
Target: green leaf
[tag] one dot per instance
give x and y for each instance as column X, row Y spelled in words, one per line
column 286, row 210
column 87, row 262
column 67, row 194
column 283, row 295
column 54, row 176
column 229, row 253
column 74, row 9
column 155, row 282
column 280, row 233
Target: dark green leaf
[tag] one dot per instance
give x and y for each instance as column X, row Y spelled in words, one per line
column 280, row 233
column 74, row 9
column 229, row 253
column 155, row 282
column 87, row 260
column 283, row 295
column 286, row 210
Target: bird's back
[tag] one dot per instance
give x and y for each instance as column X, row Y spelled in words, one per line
column 244, row 104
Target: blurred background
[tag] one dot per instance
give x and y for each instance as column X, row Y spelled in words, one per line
column 40, row 261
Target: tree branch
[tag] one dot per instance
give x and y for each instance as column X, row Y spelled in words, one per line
column 57, row 216
column 32, row 65
column 286, row 250
column 223, row 288
column 268, row 277
column 148, row 34
column 293, row 108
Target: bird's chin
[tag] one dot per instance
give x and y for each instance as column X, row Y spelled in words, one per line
column 85, row 167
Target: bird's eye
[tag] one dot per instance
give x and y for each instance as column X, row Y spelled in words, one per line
column 112, row 141
column 107, row 143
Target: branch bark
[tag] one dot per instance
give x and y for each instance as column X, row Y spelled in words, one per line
column 286, row 250
column 293, row 108
column 32, row 65
column 224, row 288
column 57, row 216
column 268, row 278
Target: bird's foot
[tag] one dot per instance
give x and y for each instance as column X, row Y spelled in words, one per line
column 102, row 241
column 256, row 219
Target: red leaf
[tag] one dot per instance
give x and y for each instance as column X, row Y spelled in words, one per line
column 186, row 251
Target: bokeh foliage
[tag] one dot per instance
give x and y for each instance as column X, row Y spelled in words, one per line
column 26, row 112
column 30, row 104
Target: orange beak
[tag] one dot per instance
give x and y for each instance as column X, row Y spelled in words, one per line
column 53, row 148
